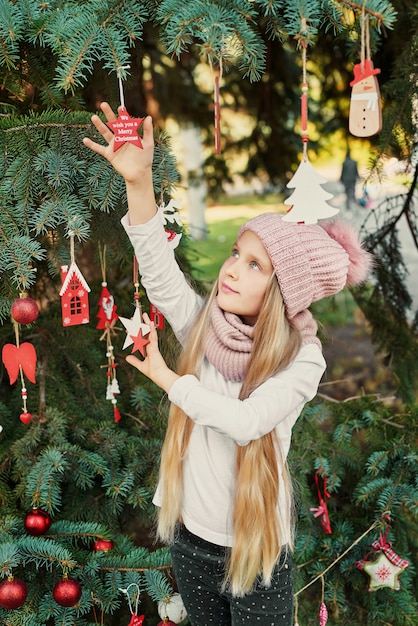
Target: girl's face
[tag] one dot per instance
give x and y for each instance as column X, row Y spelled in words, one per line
column 244, row 278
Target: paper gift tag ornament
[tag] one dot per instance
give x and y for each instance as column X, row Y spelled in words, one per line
column 365, row 117
column 74, row 296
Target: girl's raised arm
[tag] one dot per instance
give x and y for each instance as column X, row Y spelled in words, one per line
column 133, row 163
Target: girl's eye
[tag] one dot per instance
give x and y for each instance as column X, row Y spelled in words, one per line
column 254, row 265
column 235, row 252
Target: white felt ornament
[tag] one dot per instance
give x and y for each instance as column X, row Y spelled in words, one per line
column 309, row 200
column 383, row 566
column 174, row 609
column 383, row 573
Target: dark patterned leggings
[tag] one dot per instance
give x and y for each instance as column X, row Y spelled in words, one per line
column 199, row 568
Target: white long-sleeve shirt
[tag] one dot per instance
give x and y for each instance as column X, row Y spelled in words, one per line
column 221, row 420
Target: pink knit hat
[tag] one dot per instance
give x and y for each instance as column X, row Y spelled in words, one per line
column 311, row 261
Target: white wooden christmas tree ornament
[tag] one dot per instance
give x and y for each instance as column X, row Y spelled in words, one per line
column 309, row 200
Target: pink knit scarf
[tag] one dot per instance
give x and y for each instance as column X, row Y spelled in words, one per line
column 228, row 343
column 229, row 340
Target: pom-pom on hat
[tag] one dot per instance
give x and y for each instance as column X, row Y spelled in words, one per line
column 311, row 261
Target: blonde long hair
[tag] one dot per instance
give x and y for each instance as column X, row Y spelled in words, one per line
column 259, row 533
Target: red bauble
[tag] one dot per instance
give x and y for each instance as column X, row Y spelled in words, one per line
column 102, row 545
column 25, row 417
column 24, row 311
column 67, row 591
column 13, row 593
column 37, row 522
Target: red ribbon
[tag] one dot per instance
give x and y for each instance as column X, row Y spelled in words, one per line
column 322, row 510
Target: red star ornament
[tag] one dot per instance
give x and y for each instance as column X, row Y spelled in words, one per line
column 135, row 329
column 125, row 129
column 139, row 342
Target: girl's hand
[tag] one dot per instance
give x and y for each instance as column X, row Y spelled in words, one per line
column 130, row 161
column 154, row 366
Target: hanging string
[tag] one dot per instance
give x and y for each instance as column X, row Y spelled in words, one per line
column 304, row 96
column 341, row 556
column 102, row 257
column 323, row 611
column 121, row 94
column 296, row 609
column 137, row 294
column 22, row 379
column 72, row 255
column 126, row 591
column 365, row 37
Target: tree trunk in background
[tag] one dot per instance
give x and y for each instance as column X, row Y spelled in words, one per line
column 194, row 180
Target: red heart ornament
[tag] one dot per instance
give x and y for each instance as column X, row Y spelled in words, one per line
column 25, row 417
column 15, row 357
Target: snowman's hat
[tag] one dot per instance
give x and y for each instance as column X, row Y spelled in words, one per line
column 363, row 70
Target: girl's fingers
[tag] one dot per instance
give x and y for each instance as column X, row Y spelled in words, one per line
column 108, row 111
column 104, row 130
column 148, row 134
column 133, row 360
column 96, row 147
column 149, row 323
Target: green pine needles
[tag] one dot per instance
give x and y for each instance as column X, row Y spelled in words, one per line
column 94, row 477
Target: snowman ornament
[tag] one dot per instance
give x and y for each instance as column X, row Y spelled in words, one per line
column 365, row 117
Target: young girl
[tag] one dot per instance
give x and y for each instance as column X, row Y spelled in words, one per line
column 250, row 361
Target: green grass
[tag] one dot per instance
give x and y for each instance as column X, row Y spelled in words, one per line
column 207, row 255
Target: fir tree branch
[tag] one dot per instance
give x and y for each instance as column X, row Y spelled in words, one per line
column 380, row 16
column 341, row 556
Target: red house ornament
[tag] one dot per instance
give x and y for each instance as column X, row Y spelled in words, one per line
column 74, row 296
